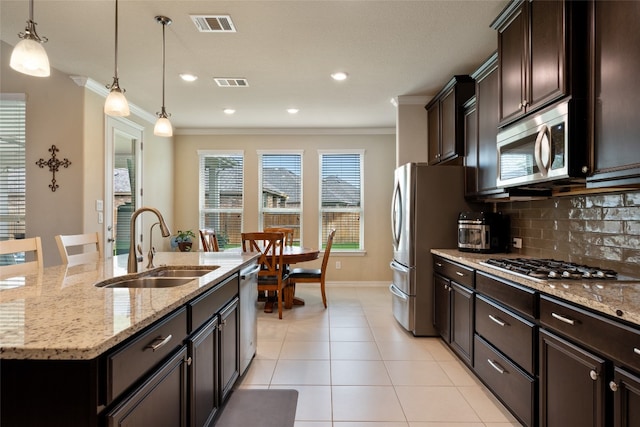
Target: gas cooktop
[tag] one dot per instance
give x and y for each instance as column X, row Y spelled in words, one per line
column 541, row 269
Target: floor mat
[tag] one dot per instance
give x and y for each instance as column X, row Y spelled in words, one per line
column 259, row 408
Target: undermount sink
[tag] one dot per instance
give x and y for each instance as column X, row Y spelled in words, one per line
column 180, row 271
column 148, row 282
column 161, row 277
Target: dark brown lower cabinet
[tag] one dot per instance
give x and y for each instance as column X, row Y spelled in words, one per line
column 462, row 322
column 626, row 388
column 203, row 374
column 442, row 309
column 229, row 347
column 572, row 384
column 159, row 401
column 513, row 386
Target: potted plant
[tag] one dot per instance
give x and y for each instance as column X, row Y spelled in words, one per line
column 183, row 241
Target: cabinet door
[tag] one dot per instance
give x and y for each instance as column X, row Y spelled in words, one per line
column 512, row 48
column 487, row 98
column 471, row 149
column 626, row 387
column 433, row 132
column 229, row 347
column 448, row 123
column 159, row 401
column 203, row 374
column 572, row 384
column 441, row 307
column 462, row 320
column 547, row 70
column 617, row 89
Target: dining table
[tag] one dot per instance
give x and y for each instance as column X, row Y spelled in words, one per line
column 291, row 255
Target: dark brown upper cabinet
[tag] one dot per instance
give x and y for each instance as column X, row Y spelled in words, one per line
column 445, row 120
column 616, row 87
column 542, row 52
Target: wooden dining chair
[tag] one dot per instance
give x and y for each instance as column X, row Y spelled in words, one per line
column 9, row 250
column 288, row 233
column 209, row 240
column 78, row 242
column 315, row 275
column 272, row 277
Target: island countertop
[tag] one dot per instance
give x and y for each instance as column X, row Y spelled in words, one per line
column 59, row 313
column 617, row 299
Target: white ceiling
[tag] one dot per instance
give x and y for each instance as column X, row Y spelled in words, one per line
column 286, row 50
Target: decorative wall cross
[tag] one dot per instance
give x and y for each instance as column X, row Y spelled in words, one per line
column 53, row 163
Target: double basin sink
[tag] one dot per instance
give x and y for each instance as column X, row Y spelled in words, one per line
column 161, row 277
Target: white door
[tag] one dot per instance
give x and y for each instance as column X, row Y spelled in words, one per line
column 123, row 163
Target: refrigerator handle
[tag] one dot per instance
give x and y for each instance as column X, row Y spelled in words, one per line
column 399, row 267
column 395, row 291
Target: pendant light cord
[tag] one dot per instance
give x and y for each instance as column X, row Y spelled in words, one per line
column 115, row 75
column 164, row 25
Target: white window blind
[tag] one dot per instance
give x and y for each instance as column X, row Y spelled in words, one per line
column 12, row 168
column 341, row 199
column 222, row 196
column 281, row 191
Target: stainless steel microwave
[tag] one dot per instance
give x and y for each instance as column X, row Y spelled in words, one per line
column 547, row 147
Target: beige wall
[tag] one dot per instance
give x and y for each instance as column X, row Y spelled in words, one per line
column 379, row 163
column 411, row 129
column 61, row 113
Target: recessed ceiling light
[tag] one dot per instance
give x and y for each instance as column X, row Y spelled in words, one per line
column 188, row 77
column 229, row 111
column 292, row 110
column 339, row 76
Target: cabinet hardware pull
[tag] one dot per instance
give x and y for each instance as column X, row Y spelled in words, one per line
column 563, row 319
column 497, row 320
column 613, row 386
column 439, row 264
column 636, row 350
column 460, row 274
column 189, row 360
column 593, row 374
column 495, row 366
column 159, row 342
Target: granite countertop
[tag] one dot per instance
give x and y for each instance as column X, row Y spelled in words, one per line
column 618, row 299
column 58, row 313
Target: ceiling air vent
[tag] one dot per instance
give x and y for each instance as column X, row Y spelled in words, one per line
column 231, row 82
column 213, row 23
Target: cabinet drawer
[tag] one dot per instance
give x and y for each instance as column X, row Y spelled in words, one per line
column 456, row 272
column 128, row 364
column 520, row 298
column 206, row 305
column 615, row 340
column 511, row 334
column 511, row 385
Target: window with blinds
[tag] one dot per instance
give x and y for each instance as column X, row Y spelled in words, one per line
column 341, row 199
column 281, row 191
column 12, row 167
column 221, row 196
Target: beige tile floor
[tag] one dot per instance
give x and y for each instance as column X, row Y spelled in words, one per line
column 354, row 366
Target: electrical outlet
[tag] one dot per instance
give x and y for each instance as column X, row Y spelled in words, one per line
column 517, row 242
column 338, row 265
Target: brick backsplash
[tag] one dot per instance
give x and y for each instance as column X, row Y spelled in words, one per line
column 598, row 229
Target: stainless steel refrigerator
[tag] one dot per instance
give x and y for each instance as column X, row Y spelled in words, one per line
column 424, row 215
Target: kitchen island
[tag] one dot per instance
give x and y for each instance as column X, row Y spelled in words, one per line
column 72, row 353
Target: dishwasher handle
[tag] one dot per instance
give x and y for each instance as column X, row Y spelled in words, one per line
column 249, row 272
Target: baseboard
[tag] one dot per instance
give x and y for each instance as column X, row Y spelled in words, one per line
column 346, row 284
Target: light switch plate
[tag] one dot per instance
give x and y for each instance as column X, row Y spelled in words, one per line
column 99, row 205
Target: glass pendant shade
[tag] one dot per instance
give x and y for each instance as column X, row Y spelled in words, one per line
column 29, row 57
column 163, row 127
column 116, row 104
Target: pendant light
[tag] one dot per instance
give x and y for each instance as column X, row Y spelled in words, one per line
column 116, row 104
column 163, row 125
column 28, row 56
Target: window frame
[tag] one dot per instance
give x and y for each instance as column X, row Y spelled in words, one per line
column 360, row 210
column 202, row 154
column 262, row 210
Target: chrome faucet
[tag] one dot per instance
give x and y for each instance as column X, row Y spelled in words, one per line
column 132, row 263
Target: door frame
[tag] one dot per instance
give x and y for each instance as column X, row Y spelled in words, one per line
column 113, row 127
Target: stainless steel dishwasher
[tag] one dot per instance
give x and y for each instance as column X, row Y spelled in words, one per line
column 248, row 315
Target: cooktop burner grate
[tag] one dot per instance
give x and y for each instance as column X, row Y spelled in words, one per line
column 541, row 269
